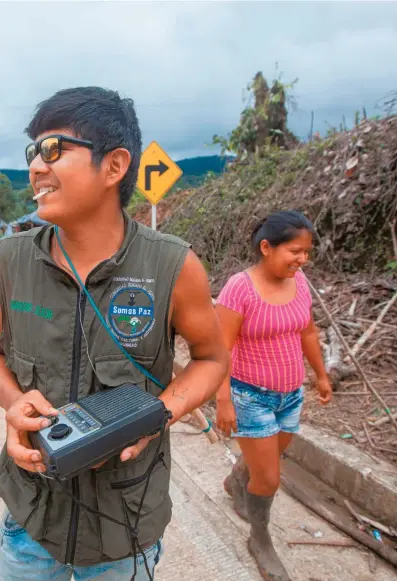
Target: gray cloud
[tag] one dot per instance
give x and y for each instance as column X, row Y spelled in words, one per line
column 186, row 63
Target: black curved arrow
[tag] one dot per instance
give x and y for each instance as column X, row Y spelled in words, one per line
column 161, row 168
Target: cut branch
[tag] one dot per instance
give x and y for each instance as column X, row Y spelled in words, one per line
column 394, row 236
column 324, row 543
column 353, row 358
column 382, row 421
column 391, row 532
column 364, row 338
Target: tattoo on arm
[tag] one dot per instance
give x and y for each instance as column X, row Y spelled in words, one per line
column 179, row 391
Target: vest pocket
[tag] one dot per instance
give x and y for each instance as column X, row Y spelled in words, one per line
column 25, row 496
column 123, row 503
column 114, row 370
column 30, row 374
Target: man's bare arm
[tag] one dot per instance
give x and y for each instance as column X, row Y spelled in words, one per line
column 194, row 318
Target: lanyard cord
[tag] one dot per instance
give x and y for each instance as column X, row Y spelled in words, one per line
column 102, row 320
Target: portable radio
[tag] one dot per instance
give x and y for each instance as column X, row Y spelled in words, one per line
column 97, row 427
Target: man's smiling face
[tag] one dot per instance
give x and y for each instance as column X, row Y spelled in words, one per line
column 69, row 188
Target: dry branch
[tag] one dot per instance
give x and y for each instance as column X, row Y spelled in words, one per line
column 324, row 543
column 353, row 358
column 373, row 523
column 353, row 307
column 364, row 338
column 382, row 421
column 393, row 236
column 374, row 446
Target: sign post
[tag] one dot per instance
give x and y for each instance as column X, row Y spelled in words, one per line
column 157, row 174
column 154, row 216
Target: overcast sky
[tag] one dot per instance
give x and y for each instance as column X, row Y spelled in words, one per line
column 186, row 64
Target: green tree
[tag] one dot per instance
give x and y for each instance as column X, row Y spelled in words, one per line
column 7, row 199
column 25, row 199
column 14, row 203
column 264, row 122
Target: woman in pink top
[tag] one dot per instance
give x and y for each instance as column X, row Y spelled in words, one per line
column 267, row 323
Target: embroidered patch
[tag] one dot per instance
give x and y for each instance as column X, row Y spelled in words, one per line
column 131, row 312
column 26, row 307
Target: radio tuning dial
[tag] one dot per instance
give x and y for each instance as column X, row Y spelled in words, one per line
column 59, row 431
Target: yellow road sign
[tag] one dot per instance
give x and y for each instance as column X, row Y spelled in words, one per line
column 157, row 173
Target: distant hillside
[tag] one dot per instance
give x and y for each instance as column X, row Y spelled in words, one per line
column 198, row 166
column 19, row 177
column 194, row 171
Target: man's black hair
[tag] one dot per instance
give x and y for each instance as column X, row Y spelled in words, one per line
column 98, row 115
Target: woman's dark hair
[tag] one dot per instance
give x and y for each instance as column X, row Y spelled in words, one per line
column 279, row 228
column 99, row 115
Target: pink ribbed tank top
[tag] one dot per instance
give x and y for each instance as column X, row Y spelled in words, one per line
column 268, row 350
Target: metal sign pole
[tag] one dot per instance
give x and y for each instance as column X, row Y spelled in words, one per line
column 154, row 216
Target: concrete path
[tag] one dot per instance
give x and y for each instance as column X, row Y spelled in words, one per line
column 206, row 540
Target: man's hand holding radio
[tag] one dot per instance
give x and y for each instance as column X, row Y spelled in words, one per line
column 22, row 417
column 131, row 452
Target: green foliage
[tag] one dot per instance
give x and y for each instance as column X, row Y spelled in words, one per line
column 243, row 134
column 25, row 197
column 332, row 132
column 6, row 198
column 243, row 137
column 391, row 266
column 136, row 199
column 14, row 203
column 299, row 159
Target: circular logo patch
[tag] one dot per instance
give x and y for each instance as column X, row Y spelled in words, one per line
column 131, row 312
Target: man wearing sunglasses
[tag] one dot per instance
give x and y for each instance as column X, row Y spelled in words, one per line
column 83, row 165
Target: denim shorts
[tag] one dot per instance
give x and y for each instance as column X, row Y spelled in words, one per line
column 23, row 559
column 262, row 413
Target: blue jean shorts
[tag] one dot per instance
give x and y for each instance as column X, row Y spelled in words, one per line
column 22, row 559
column 262, row 413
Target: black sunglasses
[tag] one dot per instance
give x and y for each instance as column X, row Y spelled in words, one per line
column 50, row 148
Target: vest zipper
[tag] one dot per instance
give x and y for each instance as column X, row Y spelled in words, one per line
column 74, row 389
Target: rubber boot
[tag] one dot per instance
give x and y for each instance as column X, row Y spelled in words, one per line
column 236, row 484
column 260, row 543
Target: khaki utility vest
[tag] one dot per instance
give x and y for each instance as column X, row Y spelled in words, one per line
column 44, row 312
